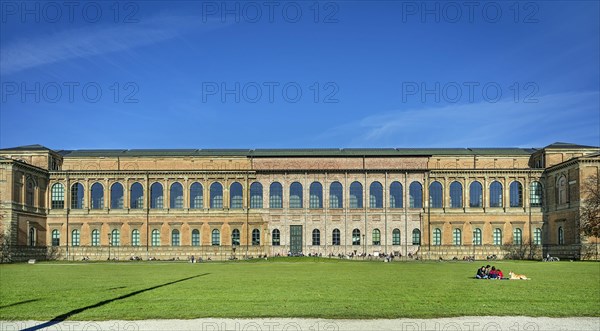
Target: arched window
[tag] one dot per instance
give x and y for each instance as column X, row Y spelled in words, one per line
column 97, row 196
column 561, row 236
column 336, row 195
column 457, row 237
column 176, row 196
column 58, row 196
column 235, row 237
column 437, row 237
column 276, row 238
column 416, row 237
column 497, row 237
column 136, row 200
column 316, row 195
column 115, row 237
column 156, row 196
column 537, row 236
column 475, row 195
column 376, row 195
column 516, row 194
column 477, row 237
column 396, row 237
column 196, row 196
column 75, row 238
column 517, row 236
column 376, row 237
column 316, row 237
column 116, row 196
column 535, row 194
column 562, row 190
column 356, row 195
column 256, row 195
column 356, row 237
column 77, row 196
column 216, row 237
column 236, row 196
column 296, row 195
column 155, row 237
column 496, row 194
column 55, row 238
column 415, row 191
column 435, row 195
column 196, row 237
column 32, row 236
column 216, row 195
column 135, row 237
column 255, row 237
column 335, row 237
column 456, row 195
column 175, row 237
column 396, row 195
column 29, row 200
column 275, row 195
column 95, row 237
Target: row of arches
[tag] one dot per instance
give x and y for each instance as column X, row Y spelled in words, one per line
column 336, row 195
column 215, row 237
column 497, row 237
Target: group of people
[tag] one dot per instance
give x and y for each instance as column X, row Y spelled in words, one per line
column 485, row 272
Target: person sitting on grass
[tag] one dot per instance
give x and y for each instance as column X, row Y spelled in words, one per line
column 500, row 275
column 493, row 273
column 481, row 273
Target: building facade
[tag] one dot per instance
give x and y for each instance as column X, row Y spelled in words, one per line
column 167, row 204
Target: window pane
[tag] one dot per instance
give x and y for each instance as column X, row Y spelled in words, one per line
column 135, row 237
column 276, row 238
column 335, row 237
column 58, row 196
column 316, row 237
column 95, row 238
column 75, row 238
column 475, row 195
column 176, row 196
column 356, row 195
column 516, row 194
column 536, row 194
column 255, row 237
column 376, row 195
column 155, row 237
column 456, row 195
column 137, row 196
column 356, row 237
column 376, row 237
column 235, row 237
column 496, row 194
column 497, row 237
column 116, row 196
column 316, row 195
column 435, row 195
column 457, row 237
column 296, row 195
column 256, row 195
column 77, row 196
column 216, row 195
column 156, row 196
column 336, row 195
column 477, row 237
column 396, row 237
column 437, row 237
column 196, row 237
column 275, row 195
column 416, row 195
column 396, row 195
column 236, row 196
column 196, row 196
column 175, row 238
column 416, row 237
column 216, row 237
column 97, row 196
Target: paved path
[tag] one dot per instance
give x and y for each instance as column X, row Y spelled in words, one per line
column 488, row 323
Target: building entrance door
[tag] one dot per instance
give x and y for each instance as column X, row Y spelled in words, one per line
column 295, row 239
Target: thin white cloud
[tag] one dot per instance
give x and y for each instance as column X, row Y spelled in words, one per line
column 94, row 40
column 566, row 116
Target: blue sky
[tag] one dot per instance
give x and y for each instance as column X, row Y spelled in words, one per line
column 300, row 74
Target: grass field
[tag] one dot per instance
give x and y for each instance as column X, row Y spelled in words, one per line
column 293, row 287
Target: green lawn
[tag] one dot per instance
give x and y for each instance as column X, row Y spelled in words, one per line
column 293, row 287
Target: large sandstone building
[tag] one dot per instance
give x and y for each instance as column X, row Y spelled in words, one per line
column 426, row 203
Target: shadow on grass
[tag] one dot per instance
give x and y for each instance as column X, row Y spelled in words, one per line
column 65, row 316
column 18, row 303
